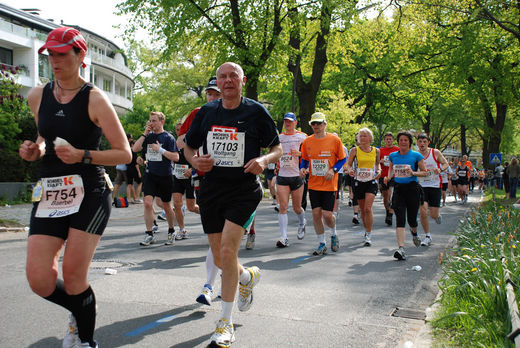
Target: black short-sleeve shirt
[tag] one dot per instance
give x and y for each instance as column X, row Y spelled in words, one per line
column 248, row 127
column 164, row 166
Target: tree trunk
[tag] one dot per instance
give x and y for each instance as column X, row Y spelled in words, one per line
column 463, row 147
column 308, row 91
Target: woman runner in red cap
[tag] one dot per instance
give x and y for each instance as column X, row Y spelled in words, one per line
column 72, row 198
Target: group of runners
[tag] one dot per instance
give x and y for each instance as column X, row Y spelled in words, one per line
column 221, row 150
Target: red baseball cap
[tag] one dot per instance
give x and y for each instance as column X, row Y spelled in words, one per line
column 63, row 39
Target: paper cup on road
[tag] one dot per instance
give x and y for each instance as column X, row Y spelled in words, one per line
column 110, row 271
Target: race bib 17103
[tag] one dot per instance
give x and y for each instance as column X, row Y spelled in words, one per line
column 226, row 147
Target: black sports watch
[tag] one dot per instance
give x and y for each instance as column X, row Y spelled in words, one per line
column 87, row 157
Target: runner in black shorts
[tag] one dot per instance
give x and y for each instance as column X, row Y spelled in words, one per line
column 160, row 149
column 387, row 188
column 72, row 198
column 182, row 185
column 133, row 175
column 232, row 131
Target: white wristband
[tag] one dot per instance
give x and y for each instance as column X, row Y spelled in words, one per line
column 162, row 151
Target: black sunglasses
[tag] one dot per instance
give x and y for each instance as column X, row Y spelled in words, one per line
column 316, row 123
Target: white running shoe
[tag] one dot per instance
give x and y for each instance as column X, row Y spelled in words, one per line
column 171, row 239
column 427, row 241
column 250, row 244
column 224, row 334
column 85, row 345
column 282, row 243
column 71, row 338
column 245, row 295
column 301, row 231
column 183, row 234
column 148, row 239
column 206, row 295
column 367, row 241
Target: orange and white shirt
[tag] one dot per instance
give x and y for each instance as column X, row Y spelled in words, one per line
column 322, row 154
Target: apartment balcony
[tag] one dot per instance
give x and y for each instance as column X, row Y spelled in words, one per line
column 119, row 101
column 110, row 63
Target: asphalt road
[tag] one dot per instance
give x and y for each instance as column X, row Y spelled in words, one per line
column 342, row 299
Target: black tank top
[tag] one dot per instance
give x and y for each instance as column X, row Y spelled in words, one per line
column 71, row 122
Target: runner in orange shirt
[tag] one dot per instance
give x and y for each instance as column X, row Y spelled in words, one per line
column 322, row 157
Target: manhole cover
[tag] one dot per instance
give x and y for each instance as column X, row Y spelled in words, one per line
column 102, row 264
column 408, row 313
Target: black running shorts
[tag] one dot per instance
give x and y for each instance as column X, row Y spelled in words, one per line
column 221, row 200
column 362, row 187
column 322, row 199
column 183, row 186
column 432, row 196
column 92, row 216
column 385, row 187
column 294, row 182
column 158, row 186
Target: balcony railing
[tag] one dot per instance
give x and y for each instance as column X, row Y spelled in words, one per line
column 100, row 58
column 21, row 31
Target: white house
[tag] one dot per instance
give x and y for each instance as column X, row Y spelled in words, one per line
column 22, row 33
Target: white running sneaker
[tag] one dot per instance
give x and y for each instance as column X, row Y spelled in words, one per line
column 301, row 231
column 71, row 338
column 367, row 241
column 85, row 345
column 148, row 239
column 171, row 238
column 250, row 244
column 245, row 295
column 282, row 243
column 224, row 334
column 183, row 234
column 206, row 295
column 427, row 241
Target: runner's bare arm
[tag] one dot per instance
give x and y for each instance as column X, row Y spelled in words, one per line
column 258, row 164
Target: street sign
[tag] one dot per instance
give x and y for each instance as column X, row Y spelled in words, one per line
column 495, row 158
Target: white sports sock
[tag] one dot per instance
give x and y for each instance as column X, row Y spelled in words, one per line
column 301, row 218
column 321, row 238
column 283, row 220
column 428, row 235
column 211, row 269
column 227, row 310
column 333, row 230
column 245, row 277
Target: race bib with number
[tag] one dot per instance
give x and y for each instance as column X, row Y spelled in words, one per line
column 319, row 167
column 401, row 171
column 365, row 174
column 61, row 196
column 386, row 161
column 288, row 161
column 152, row 155
column 226, row 147
column 271, row 166
column 179, row 170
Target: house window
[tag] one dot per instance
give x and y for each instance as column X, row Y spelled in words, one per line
column 6, row 56
column 44, row 67
column 107, row 85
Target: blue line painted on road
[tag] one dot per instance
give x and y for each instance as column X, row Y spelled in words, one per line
column 150, row 326
column 300, row 259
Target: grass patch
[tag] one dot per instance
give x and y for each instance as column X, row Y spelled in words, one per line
column 10, row 223
column 473, row 307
